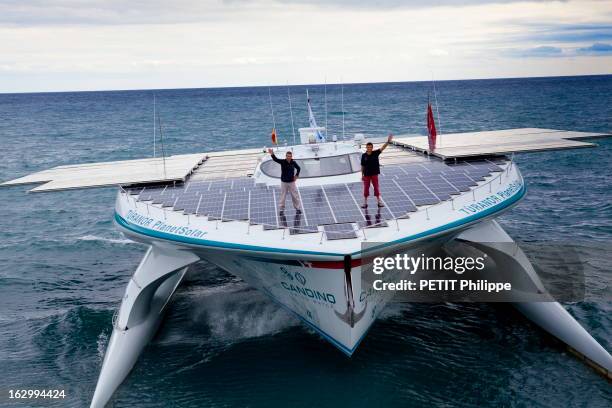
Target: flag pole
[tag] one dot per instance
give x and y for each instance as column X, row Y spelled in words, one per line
column 437, row 110
column 428, row 130
column 272, row 111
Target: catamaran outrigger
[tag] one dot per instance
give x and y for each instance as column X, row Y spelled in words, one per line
column 222, row 207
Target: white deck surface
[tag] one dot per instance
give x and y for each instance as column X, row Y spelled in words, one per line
column 500, row 142
column 235, row 163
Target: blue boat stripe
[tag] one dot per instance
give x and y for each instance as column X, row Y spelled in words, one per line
column 217, row 244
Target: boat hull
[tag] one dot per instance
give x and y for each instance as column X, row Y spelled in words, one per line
column 325, row 293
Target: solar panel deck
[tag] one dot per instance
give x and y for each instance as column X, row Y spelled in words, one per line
column 333, row 207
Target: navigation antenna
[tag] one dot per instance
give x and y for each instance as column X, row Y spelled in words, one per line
column 342, row 102
column 325, row 99
column 437, row 110
column 154, row 126
column 272, row 110
column 161, row 140
column 291, row 112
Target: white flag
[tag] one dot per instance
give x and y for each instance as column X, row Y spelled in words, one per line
column 312, row 121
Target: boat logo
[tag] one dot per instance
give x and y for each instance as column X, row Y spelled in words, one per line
column 300, row 278
column 301, row 289
column 286, row 273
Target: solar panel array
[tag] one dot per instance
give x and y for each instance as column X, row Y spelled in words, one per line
column 337, row 207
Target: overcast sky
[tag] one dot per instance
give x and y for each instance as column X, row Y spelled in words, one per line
column 62, row 45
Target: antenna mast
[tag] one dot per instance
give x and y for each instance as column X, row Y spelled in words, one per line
column 325, row 99
column 161, row 139
column 342, row 102
column 154, row 152
column 291, row 112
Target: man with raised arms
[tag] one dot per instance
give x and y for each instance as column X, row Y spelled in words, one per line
column 290, row 171
column 370, row 169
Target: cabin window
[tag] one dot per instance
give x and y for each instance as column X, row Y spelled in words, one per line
column 355, row 161
column 318, row 167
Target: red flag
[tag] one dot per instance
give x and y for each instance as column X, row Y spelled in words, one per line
column 274, row 141
column 431, row 129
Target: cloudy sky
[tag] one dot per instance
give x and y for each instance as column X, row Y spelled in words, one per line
column 48, row 45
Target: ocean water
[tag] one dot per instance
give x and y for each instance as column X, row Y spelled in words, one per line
column 63, row 267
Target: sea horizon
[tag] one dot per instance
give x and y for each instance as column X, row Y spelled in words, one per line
column 312, row 84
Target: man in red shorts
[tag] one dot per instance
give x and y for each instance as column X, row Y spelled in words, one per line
column 370, row 169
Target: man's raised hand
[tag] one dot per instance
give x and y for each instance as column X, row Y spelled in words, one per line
column 270, row 151
column 390, row 138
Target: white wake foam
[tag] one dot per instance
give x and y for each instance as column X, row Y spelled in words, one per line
column 239, row 312
column 123, row 241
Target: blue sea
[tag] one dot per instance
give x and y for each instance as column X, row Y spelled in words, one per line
column 63, row 266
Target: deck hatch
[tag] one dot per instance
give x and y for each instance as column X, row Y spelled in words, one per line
column 340, row 231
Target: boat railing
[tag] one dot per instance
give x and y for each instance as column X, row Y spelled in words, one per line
column 426, row 210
